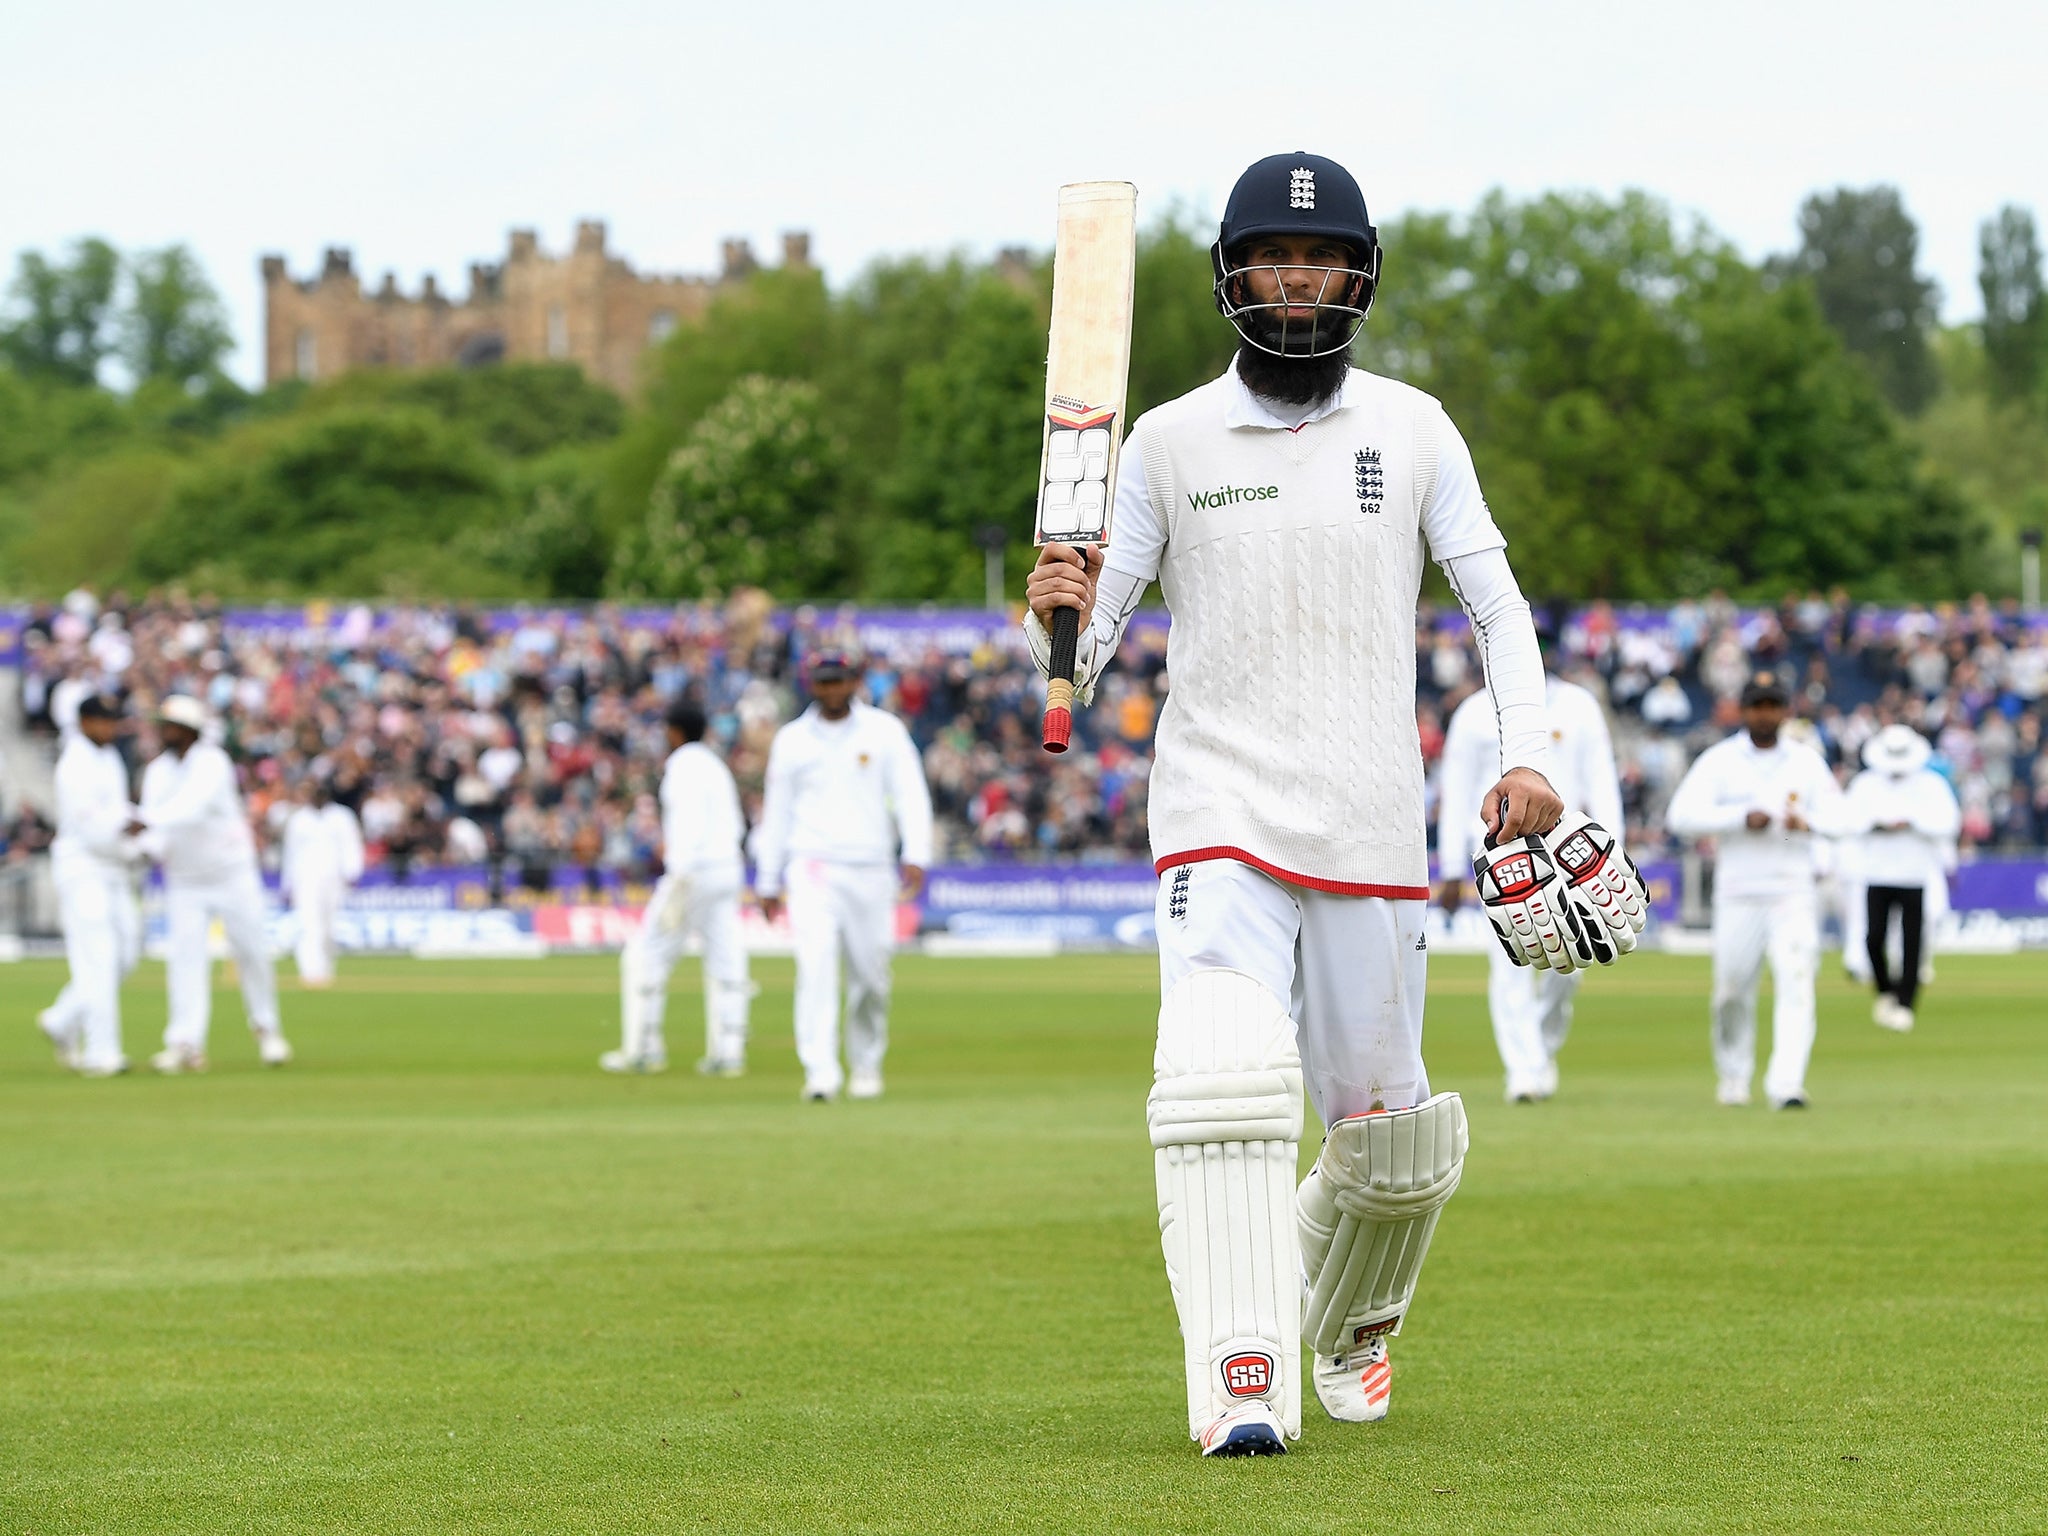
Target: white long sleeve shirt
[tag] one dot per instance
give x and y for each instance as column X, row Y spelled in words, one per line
column 1735, row 777
column 702, row 827
column 323, row 846
column 1920, row 854
column 193, row 810
column 1582, row 769
column 1289, row 544
column 850, row 791
column 93, row 810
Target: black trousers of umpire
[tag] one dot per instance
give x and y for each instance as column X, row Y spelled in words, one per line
column 1910, row 902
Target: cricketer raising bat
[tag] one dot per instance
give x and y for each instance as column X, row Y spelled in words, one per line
column 1087, row 366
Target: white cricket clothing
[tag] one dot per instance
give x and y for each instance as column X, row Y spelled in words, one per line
column 699, row 894
column 701, row 822
column 1766, row 905
column 1351, row 969
column 1747, row 931
column 193, row 809
column 848, row 791
column 841, row 912
column 96, row 906
column 1532, row 1010
column 1291, row 555
column 1735, row 777
column 199, row 830
column 695, row 899
column 1920, row 855
column 323, row 857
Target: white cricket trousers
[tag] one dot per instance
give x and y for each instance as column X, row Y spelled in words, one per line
column 1747, row 931
column 1532, row 1015
column 1352, row 971
column 189, row 910
column 316, row 904
column 685, row 902
column 102, row 943
column 841, row 910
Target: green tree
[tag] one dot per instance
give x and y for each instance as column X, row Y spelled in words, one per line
column 62, row 328
column 751, row 498
column 2015, row 314
column 551, row 540
column 174, row 329
column 351, row 503
column 1860, row 249
column 1178, row 340
column 971, row 458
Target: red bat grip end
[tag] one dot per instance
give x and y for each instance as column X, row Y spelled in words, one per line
column 1059, row 690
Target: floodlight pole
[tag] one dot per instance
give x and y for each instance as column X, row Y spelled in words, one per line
column 2030, row 570
column 992, row 537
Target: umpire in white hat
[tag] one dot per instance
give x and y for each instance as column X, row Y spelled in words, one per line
column 1906, row 818
column 193, row 822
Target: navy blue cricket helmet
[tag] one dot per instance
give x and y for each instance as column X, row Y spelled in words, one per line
column 1297, row 194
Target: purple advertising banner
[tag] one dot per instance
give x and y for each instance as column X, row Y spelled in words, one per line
column 2012, row 887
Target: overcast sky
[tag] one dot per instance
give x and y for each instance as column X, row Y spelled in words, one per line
column 419, row 133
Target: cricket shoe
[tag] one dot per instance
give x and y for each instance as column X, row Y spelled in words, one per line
column 619, row 1061
column 721, row 1066
column 864, row 1085
column 819, row 1093
column 173, row 1059
column 1889, row 1013
column 112, row 1067
column 1356, row 1387
column 272, row 1047
column 64, row 1039
column 1733, row 1091
column 1789, row 1101
column 1253, row 1430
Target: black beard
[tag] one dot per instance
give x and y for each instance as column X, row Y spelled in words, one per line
column 1309, row 381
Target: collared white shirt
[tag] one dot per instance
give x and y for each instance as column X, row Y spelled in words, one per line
column 701, row 823
column 1734, row 777
column 323, row 846
column 93, row 810
column 850, row 791
column 1922, row 852
column 193, row 808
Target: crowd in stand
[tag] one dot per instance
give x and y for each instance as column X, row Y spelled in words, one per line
column 533, row 741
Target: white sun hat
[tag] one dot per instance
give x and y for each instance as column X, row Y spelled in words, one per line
column 1897, row 750
column 182, row 709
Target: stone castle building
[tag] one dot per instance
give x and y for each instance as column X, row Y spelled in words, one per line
column 588, row 307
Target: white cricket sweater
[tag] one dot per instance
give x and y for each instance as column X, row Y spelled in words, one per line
column 93, row 810
column 850, row 791
column 1290, row 554
column 193, row 809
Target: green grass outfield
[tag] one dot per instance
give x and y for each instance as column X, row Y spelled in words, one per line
column 443, row 1275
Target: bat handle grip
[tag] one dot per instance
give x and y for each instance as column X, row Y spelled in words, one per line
column 1059, row 688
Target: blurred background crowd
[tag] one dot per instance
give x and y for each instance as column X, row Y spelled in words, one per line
column 532, row 740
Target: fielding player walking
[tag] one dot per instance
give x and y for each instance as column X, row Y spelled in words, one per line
column 90, row 866
column 1532, row 1009
column 323, row 857
column 1906, row 820
column 1763, row 798
column 702, row 829
column 845, row 803
column 1284, row 509
column 192, row 820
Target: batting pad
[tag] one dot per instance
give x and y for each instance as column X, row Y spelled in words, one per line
column 1225, row 1116
column 1367, row 1211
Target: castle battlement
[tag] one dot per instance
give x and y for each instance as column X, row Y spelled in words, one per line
column 587, row 306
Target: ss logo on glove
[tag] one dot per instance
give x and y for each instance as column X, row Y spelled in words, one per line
column 1563, row 903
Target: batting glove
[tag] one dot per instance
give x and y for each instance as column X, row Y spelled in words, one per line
column 1529, row 905
column 1604, row 883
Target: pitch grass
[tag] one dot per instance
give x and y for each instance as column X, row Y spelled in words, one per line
column 442, row 1275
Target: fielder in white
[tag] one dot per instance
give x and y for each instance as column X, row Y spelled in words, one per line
column 1905, row 819
column 92, row 869
column 1532, row 1009
column 192, row 820
column 845, row 803
column 1284, row 509
column 702, row 830
column 1763, row 798
column 323, row 857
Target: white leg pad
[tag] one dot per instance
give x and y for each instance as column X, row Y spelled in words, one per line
column 1367, row 1211
column 1225, row 1116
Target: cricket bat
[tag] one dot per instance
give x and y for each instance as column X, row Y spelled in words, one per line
column 1087, row 370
